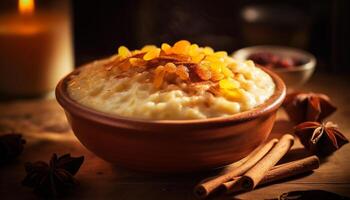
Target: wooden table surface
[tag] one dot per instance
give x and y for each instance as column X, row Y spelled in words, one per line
column 44, row 126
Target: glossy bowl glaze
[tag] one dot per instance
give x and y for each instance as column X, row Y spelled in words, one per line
column 171, row 146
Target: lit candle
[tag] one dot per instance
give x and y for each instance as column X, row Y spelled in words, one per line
column 35, row 50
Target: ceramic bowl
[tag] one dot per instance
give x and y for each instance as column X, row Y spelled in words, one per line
column 171, row 146
column 293, row 77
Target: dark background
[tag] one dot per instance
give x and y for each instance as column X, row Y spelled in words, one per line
column 321, row 27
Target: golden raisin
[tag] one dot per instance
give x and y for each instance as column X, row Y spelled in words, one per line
column 212, row 58
column 137, row 62
column 159, row 69
column 216, row 76
column 182, row 72
column 232, row 66
column 159, row 76
column 154, row 53
column 231, row 94
column 208, row 50
column 203, row 73
column 124, row 52
column 220, row 54
column 193, row 50
column 227, row 72
column 216, row 66
column 170, row 67
column 166, row 48
column 181, row 47
column 229, row 84
column 148, row 48
column 198, row 58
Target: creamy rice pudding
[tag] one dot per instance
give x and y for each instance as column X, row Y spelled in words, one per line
column 183, row 81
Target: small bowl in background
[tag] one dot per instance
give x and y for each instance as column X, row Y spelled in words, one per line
column 294, row 77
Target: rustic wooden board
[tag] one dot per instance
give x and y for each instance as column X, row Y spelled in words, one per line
column 45, row 128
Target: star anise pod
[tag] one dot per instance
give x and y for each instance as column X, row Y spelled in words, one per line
column 320, row 138
column 55, row 178
column 302, row 107
column 11, row 146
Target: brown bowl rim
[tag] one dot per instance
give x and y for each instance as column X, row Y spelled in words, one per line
column 76, row 108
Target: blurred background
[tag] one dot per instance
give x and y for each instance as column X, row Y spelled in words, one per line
column 321, row 27
column 94, row 29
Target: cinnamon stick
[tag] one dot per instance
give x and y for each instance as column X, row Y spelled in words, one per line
column 277, row 173
column 253, row 176
column 205, row 188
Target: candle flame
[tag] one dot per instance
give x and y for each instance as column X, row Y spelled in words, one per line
column 26, row 7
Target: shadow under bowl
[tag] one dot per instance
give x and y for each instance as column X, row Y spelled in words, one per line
column 171, row 146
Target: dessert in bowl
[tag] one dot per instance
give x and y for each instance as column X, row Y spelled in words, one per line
column 171, row 109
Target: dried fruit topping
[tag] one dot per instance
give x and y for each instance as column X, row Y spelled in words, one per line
column 159, row 76
column 203, row 72
column 188, row 62
column 151, row 54
column 181, row 71
column 181, row 47
column 123, row 52
column 232, row 94
column 166, row 48
column 170, row 67
column 137, row 62
column 229, row 84
column 148, row 48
